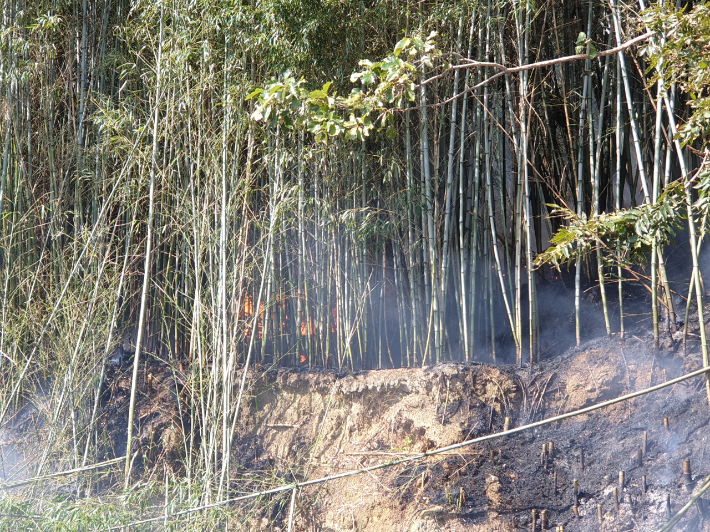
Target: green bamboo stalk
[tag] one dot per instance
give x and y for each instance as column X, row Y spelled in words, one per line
column 448, row 225
column 654, row 198
column 491, row 305
column 517, row 215
column 428, row 226
column 619, row 190
column 414, row 289
column 596, row 178
column 630, row 105
column 523, row 57
column 580, row 183
column 146, row 266
column 492, row 221
column 693, row 241
column 463, row 207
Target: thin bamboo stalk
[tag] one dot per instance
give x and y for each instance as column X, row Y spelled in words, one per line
column 693, row 241
column 619, row 190
column 448, row 224
column 492, row 221
column 413, row 270
column 580, row 184
column 146, row 266
column 596, row 179
column 629, row 103
column 463, row 208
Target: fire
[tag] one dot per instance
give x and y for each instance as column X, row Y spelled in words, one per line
column 248, row 306
column 248, row 311
column 307, row 328
column 302, row 359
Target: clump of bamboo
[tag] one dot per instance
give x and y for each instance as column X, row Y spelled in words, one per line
column 145, row 198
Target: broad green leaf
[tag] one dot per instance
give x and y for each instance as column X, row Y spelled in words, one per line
column 401, row 45
column 317, row 94
column 254, row 93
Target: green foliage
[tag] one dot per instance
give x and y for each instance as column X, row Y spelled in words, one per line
column 289, row 103
column 703, row 203
column 581, row 45
column 624, row 236
column 683, row 58
column 387, row 85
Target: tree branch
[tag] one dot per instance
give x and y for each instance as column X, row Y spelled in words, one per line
column 512, row 70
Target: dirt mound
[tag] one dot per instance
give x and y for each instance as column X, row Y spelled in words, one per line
column 315, row 424
column 305, row 425
column 409, row 409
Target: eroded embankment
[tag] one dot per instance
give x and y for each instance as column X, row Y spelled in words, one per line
column 304, row 425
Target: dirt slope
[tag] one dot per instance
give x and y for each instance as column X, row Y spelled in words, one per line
column 308, row 424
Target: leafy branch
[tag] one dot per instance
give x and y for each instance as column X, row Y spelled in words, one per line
column 624, row 237
column 387, row 85
column 684, row 58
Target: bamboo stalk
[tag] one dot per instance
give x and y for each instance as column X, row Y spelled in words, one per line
column 463, row 209
column 580, row 184
column 413, row 291
column 693, row 242
column 629, row 103
column 596, row 163
column 448, row 225
column 619, row 190
column 146, row 267
column 491, row 207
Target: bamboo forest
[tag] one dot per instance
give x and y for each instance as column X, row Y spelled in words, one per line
column 196, row 193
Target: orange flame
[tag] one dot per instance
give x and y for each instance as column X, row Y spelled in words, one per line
column 307, row 327
column 248, row 306
column 248, row 311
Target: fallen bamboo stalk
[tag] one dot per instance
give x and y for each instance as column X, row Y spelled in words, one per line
column 406, row 453
column 293, row 506
column 677, row 517
column 15, row 484
column 548, row 421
